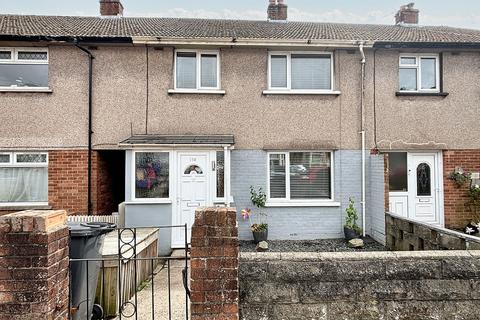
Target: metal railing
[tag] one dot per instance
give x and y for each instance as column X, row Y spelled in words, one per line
column 129, row 268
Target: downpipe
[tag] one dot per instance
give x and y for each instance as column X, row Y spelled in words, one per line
column 362, row 133
column 90, row 127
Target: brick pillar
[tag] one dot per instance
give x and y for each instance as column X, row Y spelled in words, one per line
column 34, row 277
column 214, row 265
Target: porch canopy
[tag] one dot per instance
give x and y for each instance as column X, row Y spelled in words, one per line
column 179, row 140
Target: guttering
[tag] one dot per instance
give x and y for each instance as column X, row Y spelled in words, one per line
column 90, row 131
column 362, row 132
column 68, row 39
column 426, row 45
column 320, row 43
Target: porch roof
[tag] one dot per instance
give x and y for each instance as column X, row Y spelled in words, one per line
column 156, row 139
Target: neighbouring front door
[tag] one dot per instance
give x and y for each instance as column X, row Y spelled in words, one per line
column 415, row 185
column 192, row 191
column 423, row 188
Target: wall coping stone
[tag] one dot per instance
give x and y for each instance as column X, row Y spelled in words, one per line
column 40, row 221
column 352, row 256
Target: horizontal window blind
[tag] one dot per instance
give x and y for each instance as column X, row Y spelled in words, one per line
column 311, row 71
column 186, row 70
column 208, row 70
column 278, row 71
column 310, row 175
column 278, row 176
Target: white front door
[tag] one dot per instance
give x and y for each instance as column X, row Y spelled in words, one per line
column 415, row 186
column 423, row 188
column 193, row 177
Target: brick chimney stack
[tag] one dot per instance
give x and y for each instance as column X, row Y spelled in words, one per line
column 277, row 10
column 111, row 8
column 407, row 15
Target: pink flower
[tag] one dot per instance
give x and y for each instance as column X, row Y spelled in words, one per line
column 246, row 213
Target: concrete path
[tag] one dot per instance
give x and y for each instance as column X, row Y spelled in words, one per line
column 160, row 294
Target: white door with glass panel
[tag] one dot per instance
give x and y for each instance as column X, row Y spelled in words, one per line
column 192, row 192
column 414, row 184
column 423, row 188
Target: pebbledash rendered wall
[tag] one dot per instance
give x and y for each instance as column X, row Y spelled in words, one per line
column 249, row 168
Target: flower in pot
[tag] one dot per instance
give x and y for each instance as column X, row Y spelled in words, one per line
column 351, row 229
column 257, row 222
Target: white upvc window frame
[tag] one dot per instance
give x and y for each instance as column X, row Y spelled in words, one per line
column 198, row 55
column 14, row 60
column 171, row 177
column 288, row 88
column 418, row 66
column 287, row 201
column 13, row 163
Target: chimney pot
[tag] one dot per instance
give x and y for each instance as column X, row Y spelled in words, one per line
column 277, row 10
column 111, row 8
column 407, row 14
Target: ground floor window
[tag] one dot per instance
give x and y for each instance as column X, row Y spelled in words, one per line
column 300, row 176
column 152, row 175
column 23, row 177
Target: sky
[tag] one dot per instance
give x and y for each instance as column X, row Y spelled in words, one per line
column 459, row 13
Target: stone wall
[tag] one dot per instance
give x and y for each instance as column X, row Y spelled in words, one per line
column 214, row 265
column 366, row 286
column 34, row 274
column 407, row 235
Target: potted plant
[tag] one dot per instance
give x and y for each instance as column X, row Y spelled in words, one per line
column 459, row 176
column 351, row 229
column 257, row 222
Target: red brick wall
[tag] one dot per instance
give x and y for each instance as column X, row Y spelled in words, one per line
column 457, row 214
column 34, row 275
column 214, row 265
column 67, row 180
column 68, row 184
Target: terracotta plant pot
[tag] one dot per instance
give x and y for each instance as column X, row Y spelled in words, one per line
column 259, row 236
column 350, row 234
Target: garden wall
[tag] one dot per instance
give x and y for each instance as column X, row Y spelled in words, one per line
column 407, row 235
column 367, row 285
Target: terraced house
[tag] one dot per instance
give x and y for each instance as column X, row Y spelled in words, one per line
column 164, row 115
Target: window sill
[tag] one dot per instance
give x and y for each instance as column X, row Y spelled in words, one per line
column 195, row 91
column 24, row 206
column 421, row 94
column 301, row 92
column 303, row 204
column 40, row 90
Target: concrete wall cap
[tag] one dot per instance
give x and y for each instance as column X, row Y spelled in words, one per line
column 43, row 220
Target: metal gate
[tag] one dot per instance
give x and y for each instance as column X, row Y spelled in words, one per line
column 126, row 278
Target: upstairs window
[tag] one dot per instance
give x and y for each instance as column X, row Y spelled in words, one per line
column 23, row 68
column 419, row 73
column 301, row 71
column 197, row 70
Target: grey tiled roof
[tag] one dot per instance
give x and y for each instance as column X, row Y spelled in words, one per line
column 179, row 139
column 72, row 26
